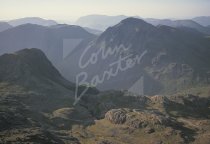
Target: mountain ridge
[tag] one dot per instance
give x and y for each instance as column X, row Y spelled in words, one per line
column 32, row 20
column 49, row 39
column 172, row 55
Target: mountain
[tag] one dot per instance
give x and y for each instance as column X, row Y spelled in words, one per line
column 102, row 22
column 189, row 24
column 179, row 24
column 31, row 89
column 55, row 41
column 4, row 26
column 32, row 20
column 99, row 22
column 161, row 59
column 185, row 23
column 203, row 20
column 30, row 68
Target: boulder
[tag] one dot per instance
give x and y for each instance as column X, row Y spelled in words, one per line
column 116, row 116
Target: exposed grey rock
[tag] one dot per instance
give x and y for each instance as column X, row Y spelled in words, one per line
column 136, row 123
column 140, row 119
column 116, row 116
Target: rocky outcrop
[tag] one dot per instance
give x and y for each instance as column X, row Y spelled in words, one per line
column 116, row 116
column 159, row 99
column 141, row 119
column 136, row 119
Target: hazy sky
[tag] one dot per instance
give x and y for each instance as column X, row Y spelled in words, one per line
column 72, row 9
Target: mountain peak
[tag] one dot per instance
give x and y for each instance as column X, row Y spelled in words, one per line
column 29, row 68
column 132, row 20
column 127, row 30
column 30, row 53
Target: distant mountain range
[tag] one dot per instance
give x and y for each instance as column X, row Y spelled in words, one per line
column 165, row 46
column 180, row 24
column 4, row 26
column 32, row 20
column 99, row 22
column 96, row 24
column 102, row 22
column 203, row 20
